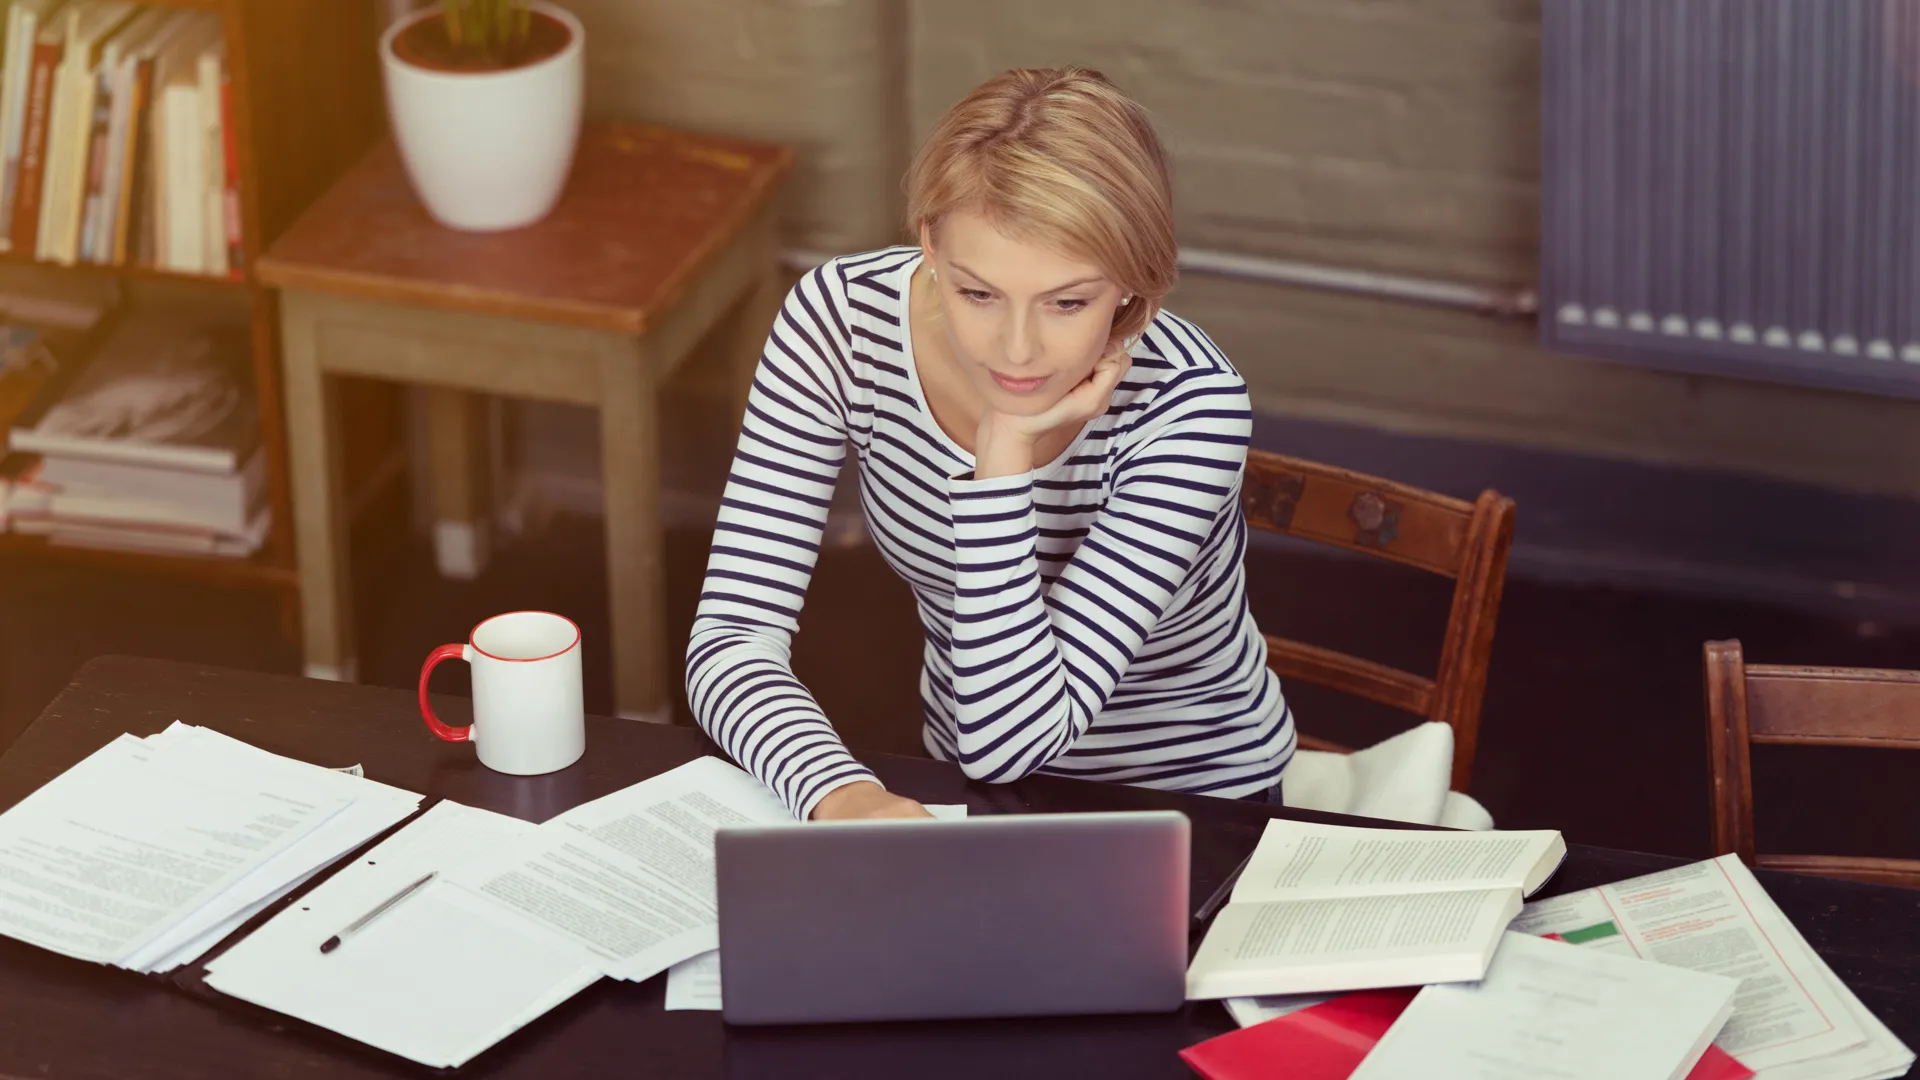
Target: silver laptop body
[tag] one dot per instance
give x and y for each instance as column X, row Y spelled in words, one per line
column 1007, row 915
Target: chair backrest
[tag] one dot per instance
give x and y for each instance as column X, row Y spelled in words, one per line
column 1799, row 706
column 1465, row 541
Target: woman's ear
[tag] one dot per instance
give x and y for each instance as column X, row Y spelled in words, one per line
column 926, row 244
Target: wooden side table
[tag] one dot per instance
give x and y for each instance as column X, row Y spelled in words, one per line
column 660, row 238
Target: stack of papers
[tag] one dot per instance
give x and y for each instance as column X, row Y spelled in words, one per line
column 1793, row 1019
column 438, row 977
column 149, row 852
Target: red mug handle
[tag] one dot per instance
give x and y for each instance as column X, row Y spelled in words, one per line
column 451, row 734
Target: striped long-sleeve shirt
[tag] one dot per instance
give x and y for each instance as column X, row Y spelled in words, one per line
column 1088, row 618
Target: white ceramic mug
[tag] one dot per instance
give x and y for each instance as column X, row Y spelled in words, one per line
column 527, row 714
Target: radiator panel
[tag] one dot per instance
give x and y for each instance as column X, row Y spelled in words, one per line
column 1733, row 187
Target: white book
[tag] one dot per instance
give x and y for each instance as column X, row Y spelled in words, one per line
column 1329, row 907
column 214, row 496
column 1548, row 1009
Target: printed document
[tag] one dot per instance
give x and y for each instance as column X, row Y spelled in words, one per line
column 1792, row 1019
column 1548, row 1009
column 630, row 876
column 108, row 855
column 438, row 978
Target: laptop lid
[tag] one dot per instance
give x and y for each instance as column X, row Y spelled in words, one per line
column 1014, row 915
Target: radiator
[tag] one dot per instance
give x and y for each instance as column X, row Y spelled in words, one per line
column 1732, row 187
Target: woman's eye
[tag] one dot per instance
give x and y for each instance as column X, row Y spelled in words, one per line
column 978, row 296
column 1069, row 306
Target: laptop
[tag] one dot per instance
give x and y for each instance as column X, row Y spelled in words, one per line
column 1008, row 915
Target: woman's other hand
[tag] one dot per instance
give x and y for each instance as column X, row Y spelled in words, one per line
column 865, row 800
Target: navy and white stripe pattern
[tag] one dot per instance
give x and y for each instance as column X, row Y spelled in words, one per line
column 1087, row 619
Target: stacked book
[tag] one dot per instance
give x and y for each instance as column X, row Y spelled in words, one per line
column 44, row 321
column 151, row 444
column 116, row 137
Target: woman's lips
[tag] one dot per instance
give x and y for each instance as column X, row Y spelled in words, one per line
column 1017, row 386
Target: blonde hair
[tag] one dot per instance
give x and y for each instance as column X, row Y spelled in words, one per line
column 1062, row 157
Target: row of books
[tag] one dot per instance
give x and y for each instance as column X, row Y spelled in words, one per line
column 116, row 142
column 138, row 434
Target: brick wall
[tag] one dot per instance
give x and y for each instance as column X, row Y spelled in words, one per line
column 1398, row 135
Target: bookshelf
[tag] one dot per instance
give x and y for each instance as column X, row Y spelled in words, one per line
column 306, row 104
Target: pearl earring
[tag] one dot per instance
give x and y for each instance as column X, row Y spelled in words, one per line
column 1125, row 300
column 933, row 273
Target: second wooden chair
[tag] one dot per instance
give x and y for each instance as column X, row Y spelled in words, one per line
column 1799, row 706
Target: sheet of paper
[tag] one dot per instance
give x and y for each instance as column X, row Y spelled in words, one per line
column 1791, row 1017
column 102, row 859
column 438, row 978
column 1548, row 1009
column 1298, row 860
column 630, row 875
column 694, row 983
column 211, row 757
column 1248, row 1011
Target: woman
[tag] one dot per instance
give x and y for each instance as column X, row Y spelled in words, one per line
column 1050, row 460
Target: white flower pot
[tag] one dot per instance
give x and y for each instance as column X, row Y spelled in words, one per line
column 487, row 150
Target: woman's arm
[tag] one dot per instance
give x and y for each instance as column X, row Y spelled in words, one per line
column 1033, row 667
column 739, row 676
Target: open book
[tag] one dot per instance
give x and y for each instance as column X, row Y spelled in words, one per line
column 1331, row 907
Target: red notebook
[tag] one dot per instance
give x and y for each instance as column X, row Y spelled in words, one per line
column 1327, row 1041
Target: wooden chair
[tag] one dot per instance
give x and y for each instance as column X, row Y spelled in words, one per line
column 1800, row 706
column 1467, row 542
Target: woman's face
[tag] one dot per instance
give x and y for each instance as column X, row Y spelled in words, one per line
column 1026, row 323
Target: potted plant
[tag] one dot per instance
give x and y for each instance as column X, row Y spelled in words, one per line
column 484, row 96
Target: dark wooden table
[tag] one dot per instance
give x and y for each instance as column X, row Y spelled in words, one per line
column 62, row 1019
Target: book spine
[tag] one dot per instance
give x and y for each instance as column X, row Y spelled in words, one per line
column 13, row 85
column 96, row 172
column 135, row 186
column 25, row 226
column 236, row 256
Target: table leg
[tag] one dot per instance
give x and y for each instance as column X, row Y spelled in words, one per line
column 456, row 438
column 630, row 475
column 319, row 497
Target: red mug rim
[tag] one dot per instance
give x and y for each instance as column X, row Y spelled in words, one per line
column 475, row 632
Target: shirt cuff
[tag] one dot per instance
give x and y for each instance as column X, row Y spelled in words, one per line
column 859, row 774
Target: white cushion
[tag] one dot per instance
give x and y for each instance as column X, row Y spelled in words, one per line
column 1403, row 778
column 1462, row 811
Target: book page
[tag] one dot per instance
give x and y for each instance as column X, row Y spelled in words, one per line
column 1348, row 943
column 1714, row 916
column 1297, row 860
column 1548, row 1009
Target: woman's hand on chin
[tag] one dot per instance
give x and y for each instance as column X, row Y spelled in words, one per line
column 865, row 800
column 1004, row 444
